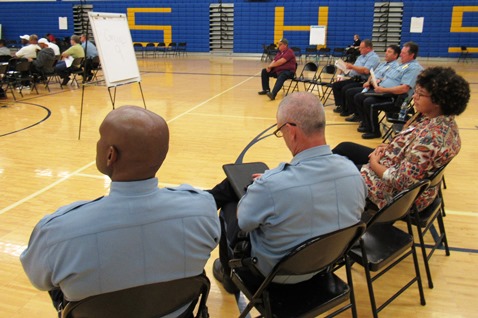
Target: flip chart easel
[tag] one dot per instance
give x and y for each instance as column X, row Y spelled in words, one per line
column 115, row 48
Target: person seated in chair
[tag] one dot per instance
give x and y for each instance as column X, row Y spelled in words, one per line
column 137, row 235
column 428, row 141
column 30, row 50
column 75, row 51
column 316, row 193
column 5, row 53
column 357, row 75
column 91, row 52
column 397, row 81
column 391, row 55
column 352, row 51
column 283, row 67
column 43, row 64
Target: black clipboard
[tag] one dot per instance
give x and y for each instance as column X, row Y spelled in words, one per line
column 239, row 175
column 379, row 94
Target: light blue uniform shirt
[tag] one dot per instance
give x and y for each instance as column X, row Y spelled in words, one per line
column 384, row 67
column 137, row 235
column 91, row 50
column 402, row 74
column 369, row 60
column 318, row 192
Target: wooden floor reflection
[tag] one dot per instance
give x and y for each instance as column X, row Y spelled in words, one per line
column 213, row 111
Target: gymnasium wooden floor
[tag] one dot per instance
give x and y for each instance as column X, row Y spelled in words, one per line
column 213, row 111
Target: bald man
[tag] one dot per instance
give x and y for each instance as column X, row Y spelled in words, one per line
column 295, row 201
column 138, row 234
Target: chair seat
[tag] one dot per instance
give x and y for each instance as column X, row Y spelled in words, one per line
column 312, row 297
column 427, row 216
column 383, row 244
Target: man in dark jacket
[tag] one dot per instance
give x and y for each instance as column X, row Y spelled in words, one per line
column 43, row 64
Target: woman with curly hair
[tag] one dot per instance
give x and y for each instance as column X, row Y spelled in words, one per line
column 428, row 141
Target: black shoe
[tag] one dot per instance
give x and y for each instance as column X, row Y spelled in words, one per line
column 220, row 276
column 65, row 81
column 345, row 114
column 353, row 119
column 362, row 129
column 271, row 96
column 371, row 135
column 264, row 92
column 338, row 109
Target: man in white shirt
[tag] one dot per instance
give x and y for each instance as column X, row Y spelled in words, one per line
column 29, row 51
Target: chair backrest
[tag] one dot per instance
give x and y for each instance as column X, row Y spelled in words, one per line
column 3, row 69
column 339, row 51
column 318, row 253
column 77, row 62
column 5, row 58
column 437, row 177
column 309, row 70
column 22, row 65
column 297, row 50
column 95, row 62
column 148, row 301
column 400, row 205
column 327, row 74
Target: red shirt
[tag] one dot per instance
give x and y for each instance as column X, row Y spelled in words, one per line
column 291, row 63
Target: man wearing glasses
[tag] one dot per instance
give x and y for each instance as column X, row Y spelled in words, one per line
column 316, row 193
column 282, row 67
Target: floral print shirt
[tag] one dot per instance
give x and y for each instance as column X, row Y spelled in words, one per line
column 424, row 145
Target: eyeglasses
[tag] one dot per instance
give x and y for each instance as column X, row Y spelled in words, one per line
column 420, row 95
column 278, row 132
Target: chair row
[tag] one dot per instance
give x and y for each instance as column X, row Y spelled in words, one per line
column 376, row 244
column 311, row 78
column 310, row 52
column 155, row 49
column 17, row 74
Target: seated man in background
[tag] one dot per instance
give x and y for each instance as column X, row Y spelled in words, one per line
column 282, row 67
column 43, row 64
column 91, row 52
column 352, row 51
column 316, row 193
column 397, row 81
column 358, row 74
column 5, row 51
column 53, row 46
column 29, row 51
column 391, row 55
column 75, row 51
column 139, row 234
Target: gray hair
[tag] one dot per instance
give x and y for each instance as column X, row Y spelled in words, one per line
column 305, row 110
column 75, row 38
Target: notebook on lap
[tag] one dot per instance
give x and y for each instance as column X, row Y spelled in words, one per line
column 240, row 175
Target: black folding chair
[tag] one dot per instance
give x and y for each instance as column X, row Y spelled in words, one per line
column 306, row 76
column 324, row 82
column 425, row 219
column 19, row 76
column 383, row 245
column 319, row 257
column 148, row 301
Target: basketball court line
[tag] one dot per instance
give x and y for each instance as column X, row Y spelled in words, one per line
column 80, row 170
